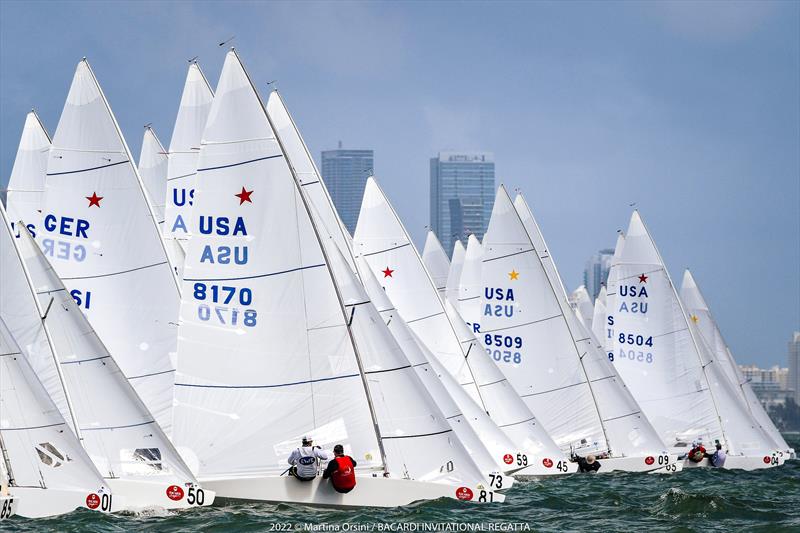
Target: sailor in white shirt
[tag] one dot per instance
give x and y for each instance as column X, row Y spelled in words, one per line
column 305, row 460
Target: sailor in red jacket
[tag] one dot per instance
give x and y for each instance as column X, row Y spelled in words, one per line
column 341, row 470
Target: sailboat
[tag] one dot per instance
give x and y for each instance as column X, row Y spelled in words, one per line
column 700, row 314
column 300, row 342
column 436, row 262
column 383, row 241
column 127, row 446
column 549, row 355
column 329, row 224
column 581, row 303
column 664, row 361
column 26, row 183
column 184, row 147
column 454, row 273
column 95, row 208
column 153, row 170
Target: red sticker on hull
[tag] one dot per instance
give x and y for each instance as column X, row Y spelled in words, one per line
column 649, row 460
column 174, row 493
column 508, row 458
column 547, row 462
column 464, row 493
column 93, row 501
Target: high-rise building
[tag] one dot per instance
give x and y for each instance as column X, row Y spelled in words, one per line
column 462, row 195
column 768, row 384
column 345, row 173
column 793, row 380
column 596, row 273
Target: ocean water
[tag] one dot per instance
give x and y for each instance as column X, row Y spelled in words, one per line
column 698, row 499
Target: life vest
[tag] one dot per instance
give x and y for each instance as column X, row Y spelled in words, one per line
column 697, row 453
column 344, row 478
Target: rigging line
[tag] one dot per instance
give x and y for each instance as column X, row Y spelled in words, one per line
column 424, row 317
column 85, row 360
column 552, row 390
column 387, row 249
column 670, row 333
column 278, row 385
column 517, row 423
column 418, row 435
column 309, row 183
column 509, row 255
column 35, row 427
column 120, row 427
column 257, row 275
column 523, row 324
column 621, row 416
column 150, row 375
column 370, row 372
column 240, row 164
column 88, row 169
column 182, row 176
column 116, row 273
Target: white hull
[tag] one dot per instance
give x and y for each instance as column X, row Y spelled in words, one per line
column 8, row 505
column 369, row 491
column 740, row 462
column 653, row 464
column 546, row 467
column 34, row 502
column 129, row 495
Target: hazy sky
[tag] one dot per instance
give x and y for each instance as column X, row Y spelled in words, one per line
column 691, row 110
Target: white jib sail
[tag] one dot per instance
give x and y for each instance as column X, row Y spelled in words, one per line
column 582, row 305
column 116, row 429
column 184, row 147
column 436, row 261
column 26, row 184
column 384, row 243
column 95, row 207
column 437, row 388
column 601, row 329
column 42, row 451
column 454, row 273
column 700, row 314
column 469, row 283
column 264, row 355
column 153, row 161
column 587, row 404
column 663, row 360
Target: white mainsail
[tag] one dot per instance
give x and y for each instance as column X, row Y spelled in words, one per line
column 665, row 363
column 700, row 314
column 259, row 289
column 152, row 166
column 95, row 209
column 454, row 273
column 184, row 147
column 469, row 282
column 582, row 305
column 529, row 328
column 383, row 241
column 436, row 261
column 26, row 183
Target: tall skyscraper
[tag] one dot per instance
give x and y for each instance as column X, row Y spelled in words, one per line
column 462, row 195
column 596, row 272
column 794, row 366
column 345, row 173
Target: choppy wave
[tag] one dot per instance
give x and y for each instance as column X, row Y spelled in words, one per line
column 697, row 499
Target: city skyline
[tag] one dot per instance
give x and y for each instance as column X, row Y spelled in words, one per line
column 345, row 172
column 687, row 110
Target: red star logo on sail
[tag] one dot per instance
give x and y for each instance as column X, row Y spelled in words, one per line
column 642, row 279
column 244, row 196
column 388, row 272
column 94, row 199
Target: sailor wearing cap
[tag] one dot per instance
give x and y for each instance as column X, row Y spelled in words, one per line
column 305, row 460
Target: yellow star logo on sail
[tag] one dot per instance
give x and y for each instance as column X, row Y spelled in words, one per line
column 694, row 319
column 513, row 275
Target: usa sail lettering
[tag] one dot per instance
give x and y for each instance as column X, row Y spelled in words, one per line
column 633, row 291
column 69, row 227
column 497, row 294
column 184, row 200
column 222, row 226
column 503, row 341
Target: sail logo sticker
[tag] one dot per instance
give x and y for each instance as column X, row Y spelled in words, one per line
column 508, row 458
column 547, row 462
column 93, row 501
column 649, row 460
column 174, row 493
column 767, row 459
column 464, row 494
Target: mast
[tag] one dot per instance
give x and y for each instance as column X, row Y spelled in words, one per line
column 347, row 322
column 691, row 333
column 562, row 307
column 42, row 317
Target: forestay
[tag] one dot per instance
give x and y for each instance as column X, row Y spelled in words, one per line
column 26, row 184
column 700, row 314
column 382, row 240
column 578, row 397
column 184, row 148
column 436, row 261
column 262, row 329
column 94, row 209
column 663, row 360
column 153, row 170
